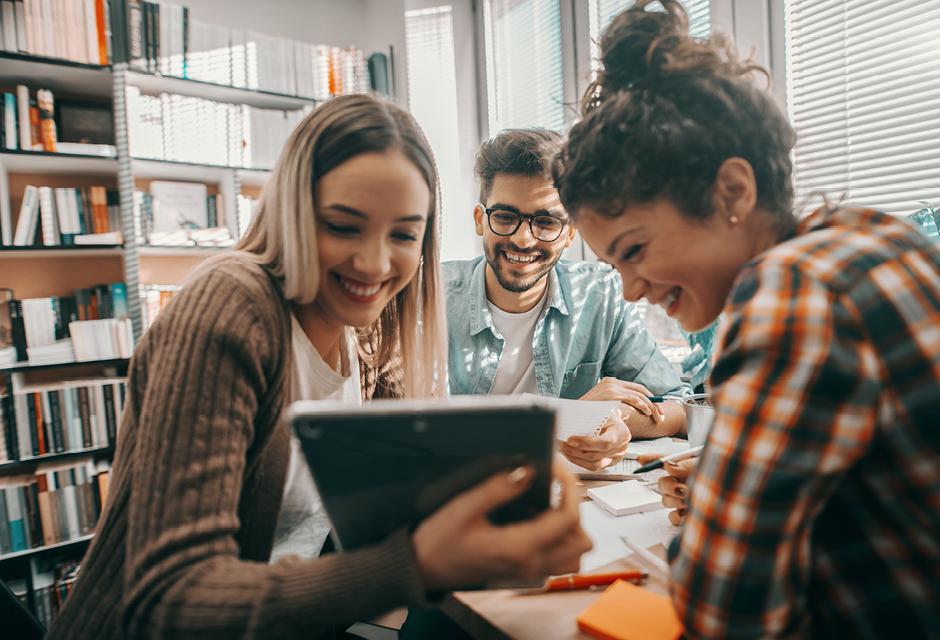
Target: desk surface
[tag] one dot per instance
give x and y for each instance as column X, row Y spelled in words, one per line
column 505, row 614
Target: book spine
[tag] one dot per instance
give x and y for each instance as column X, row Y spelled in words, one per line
column 35, row 434
column 37, row 535
column 47, row 130
column 22, row 112
column 109, row 413
column 11, row 136
column 6, row 545
column 101, row 31
column 10, row 426
column 18, row 329
column 15, row 520
column 87, row 439
column 55, row 421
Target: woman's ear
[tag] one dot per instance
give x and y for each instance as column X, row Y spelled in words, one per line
column 735, row 190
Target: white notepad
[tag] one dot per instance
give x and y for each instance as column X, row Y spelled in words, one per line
column 624, row 498
column 576, row 417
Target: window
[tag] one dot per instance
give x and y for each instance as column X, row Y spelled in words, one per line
column 432, row 88
column 863, row 91
column 603, row 11
column 523, row 64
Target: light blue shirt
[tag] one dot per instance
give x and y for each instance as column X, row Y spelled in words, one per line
column 585, row 332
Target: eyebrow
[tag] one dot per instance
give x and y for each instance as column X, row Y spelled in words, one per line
column 540, row 212
column 342, row 208
column 613, row 243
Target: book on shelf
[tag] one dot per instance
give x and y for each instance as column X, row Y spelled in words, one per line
column 65, row 214
column 39, row 325
column 164, row 39
column 155, row 297
column 58, row 503
column 51, row 585
column 187, row 129
column 88, row 149
column 60, row 417
column 76, row 30
column 181, row 214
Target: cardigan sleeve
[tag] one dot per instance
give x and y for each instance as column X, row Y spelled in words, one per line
column 208, row 374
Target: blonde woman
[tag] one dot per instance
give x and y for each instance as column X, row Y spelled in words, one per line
column 206, row 489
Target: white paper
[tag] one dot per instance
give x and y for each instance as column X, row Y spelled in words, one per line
column 644, row 529
column 627, row 497
column 576, row 417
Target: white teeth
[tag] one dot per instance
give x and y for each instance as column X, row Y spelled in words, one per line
column 356, row 290
column 519, row 257
column 670, row 298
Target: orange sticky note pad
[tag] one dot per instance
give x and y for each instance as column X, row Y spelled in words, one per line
column 628, row 612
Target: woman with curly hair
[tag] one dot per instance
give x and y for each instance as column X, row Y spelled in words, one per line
column 815, row 508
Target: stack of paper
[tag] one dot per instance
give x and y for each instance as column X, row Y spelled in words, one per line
column 624, row 498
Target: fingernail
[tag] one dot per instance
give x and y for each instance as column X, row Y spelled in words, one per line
column 681, row 491
column 518, row 475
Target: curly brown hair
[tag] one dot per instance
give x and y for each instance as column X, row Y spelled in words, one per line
column 663, row 115
column 522, row 152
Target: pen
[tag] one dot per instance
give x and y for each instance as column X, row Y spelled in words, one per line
column 682, row 455
column 656, row 564
column 663, row 398
column 585, row 581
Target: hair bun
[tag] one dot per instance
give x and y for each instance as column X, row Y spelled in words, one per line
column 636, row 46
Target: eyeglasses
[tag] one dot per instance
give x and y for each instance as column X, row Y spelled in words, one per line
column 505, row 222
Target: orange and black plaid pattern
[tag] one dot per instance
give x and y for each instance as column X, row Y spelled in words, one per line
column 815, row 510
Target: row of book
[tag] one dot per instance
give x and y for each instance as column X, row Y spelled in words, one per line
column 48, row 589
column 77, row 30
column 56, row 504
column 38, row 420
column 164, row 39
column 67, row 216
column 28, row 121
column 91, row 324
column 153, row 298
column 187, row 129
column 181, row 214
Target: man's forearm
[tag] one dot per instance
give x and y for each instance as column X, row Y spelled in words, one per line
column 642, row 426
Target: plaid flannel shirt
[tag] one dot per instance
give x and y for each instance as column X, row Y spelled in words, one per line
column 815, row 509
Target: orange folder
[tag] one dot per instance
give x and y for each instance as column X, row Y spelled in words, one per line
column 628, row 612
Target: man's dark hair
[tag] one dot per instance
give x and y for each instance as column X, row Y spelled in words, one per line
column 522, row 152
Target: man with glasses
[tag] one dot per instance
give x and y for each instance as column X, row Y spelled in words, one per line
column 520, row 319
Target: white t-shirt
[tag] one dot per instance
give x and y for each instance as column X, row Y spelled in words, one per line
column 302, row 524
column 516, row 370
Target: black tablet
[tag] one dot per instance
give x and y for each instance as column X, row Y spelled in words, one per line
column 391, row 463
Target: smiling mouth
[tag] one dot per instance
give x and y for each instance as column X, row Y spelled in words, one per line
column 671, row 300
column 514, row 257
column 360, row 291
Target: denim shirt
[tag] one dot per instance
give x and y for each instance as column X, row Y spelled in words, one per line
column 585, row 332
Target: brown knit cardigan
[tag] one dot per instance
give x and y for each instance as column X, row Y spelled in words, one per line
column 183, row 545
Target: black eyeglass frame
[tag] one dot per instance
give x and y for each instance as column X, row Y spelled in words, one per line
column 522, row 216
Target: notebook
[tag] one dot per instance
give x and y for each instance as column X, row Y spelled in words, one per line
column 628, row 612
column 624, row 498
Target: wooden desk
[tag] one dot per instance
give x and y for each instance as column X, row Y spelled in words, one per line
column 505, row 614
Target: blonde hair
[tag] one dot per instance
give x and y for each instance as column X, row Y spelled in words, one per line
column 283, row 234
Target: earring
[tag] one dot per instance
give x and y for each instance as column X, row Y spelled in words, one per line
column 733, row 220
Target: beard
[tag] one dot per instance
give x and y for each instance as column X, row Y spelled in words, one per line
column 511, row 281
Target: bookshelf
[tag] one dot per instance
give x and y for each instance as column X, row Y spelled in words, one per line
column 150, row 273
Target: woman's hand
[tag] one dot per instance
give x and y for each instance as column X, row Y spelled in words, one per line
column 674, row 486
column 598, row 452
column 630, row 393
column 458, row 546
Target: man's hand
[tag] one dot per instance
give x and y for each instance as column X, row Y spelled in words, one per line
column 457, row 546
column 632, row 394
column 674, row 486
column 598, row 452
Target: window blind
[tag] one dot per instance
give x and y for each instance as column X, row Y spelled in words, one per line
column 432, row 87
column 603, row 11
column 524, row 82
column 863, row 91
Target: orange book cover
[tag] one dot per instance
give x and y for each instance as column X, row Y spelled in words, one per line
column 40, row 430
column 628, row 612
column 102, row 33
